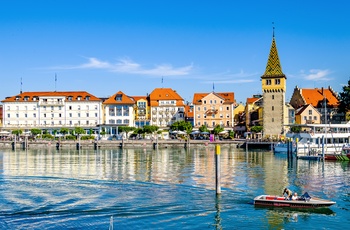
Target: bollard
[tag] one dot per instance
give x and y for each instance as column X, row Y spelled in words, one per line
column 23, row 145
column 95, row 146
column 57, row 146
column 218, row 169
column 78, row 146
column 13, row 145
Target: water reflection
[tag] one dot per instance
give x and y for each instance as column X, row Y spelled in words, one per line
column 167, row 185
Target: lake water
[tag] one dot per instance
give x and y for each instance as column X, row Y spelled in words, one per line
column 164, row 189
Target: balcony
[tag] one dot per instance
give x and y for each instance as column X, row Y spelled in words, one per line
column 211, row 111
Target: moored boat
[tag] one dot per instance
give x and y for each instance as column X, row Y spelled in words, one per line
column 282, row 147
column 304, row 201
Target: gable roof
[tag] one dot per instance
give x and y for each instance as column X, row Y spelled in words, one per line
column 228, row 97
column 316, row 96
column 251, row 100
column 303, row 108
column 29, row 96
column 125, row 100
column 159, row 94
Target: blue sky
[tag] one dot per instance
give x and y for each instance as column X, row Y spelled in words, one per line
column 106, row 46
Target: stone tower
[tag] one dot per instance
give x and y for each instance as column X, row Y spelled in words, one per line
column 273, row 84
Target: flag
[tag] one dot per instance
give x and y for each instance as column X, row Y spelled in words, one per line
column 55, row 77
column 213, row 87
column 162, row 80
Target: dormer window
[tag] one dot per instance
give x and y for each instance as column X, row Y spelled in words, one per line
column 17, row 98
column 118, row 97
column 26, row 98
column 79, row 98
column 87, row 98
column 70, row 98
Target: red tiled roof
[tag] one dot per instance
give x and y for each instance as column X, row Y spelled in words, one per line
column 188, row 111
column 28, row 96
column 125, row 100
column 251, row 100
column 315, row 96
column 228, row 97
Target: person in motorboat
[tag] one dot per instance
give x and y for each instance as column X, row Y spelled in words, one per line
column 295, row 196
column 288, row 193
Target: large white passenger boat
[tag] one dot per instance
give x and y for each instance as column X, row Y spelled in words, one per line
column 315, row 139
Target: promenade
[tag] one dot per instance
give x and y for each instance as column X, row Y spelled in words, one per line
column 145, row 143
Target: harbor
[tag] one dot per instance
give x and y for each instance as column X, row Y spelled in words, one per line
column 164, row 188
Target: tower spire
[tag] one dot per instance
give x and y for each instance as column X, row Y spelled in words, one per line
column 273, row 67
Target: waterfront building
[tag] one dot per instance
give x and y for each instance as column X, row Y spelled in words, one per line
column 51, row 110
column 307, row 114
column 189, row 114
column 274, row 89
column 167, row 107
column 211, row 109
column 142, row 116
column 118, row 111
column 253, row 111
column 239, row 120
column 317, row 98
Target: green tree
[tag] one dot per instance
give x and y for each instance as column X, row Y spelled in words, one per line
column 182, row 126
column 218, row 129
column 344, row 101
column 17, row 132
column 150, row 128
column 295, row 129
column 64, row 131
column 79, row 130
column 203, row 128
column 256, row 129
column 35, row 132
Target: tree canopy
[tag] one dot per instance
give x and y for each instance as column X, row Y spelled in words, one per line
column 182, row 126
column 344, row 100
column 79, row 130
column 35, row 131
column 150, row 128
column 256, row 129
column 218, row 129
column 203, row 128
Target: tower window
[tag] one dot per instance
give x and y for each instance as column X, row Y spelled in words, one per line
column 277, row 81
column 273, row 108
column 268, row 81
column 273, row 97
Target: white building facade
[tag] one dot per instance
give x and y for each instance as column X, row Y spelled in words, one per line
column 51, row 110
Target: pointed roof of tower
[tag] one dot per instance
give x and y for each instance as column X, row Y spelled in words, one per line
column 273, row 67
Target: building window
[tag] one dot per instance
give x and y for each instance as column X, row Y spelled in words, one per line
column 25, row 115
column 119, row 121
column 126, row 121
column 199, row 116
column 315, row 118
column 277, row 81
column 268, row 81
column 87, row 114
column 205, row 108
column 227, row 108
column 273, row 120
column 273, row 108
column 310, row 112
column 52, row 115
column 273, row 97
column 205, row 102
column 8, row 115
column 44, row 114
column 96, row 115
column 78, row 107
column 70, row 114
column 199, row 108
column 305, row 118
column 59, row 115
column 78, row 114
column 34, row 114
column 70, row 107
column 70, row 122
column 59, row 107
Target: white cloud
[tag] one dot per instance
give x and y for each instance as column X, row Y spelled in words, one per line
column 317, row 75
column 130, row 67
column 231, row 78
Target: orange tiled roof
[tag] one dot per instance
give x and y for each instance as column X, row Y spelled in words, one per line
column 188, row 111
column 228, row 97
column 124, row 99
column 251, row 100
column 136, row 98
column 28, row 96
column 315, row 96
column 165, row 94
